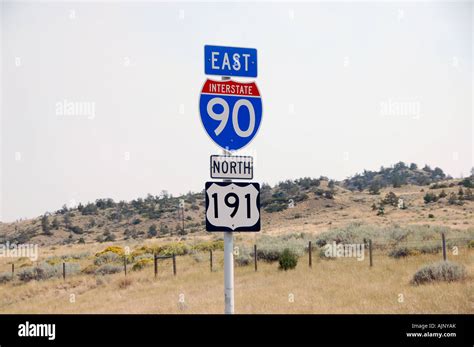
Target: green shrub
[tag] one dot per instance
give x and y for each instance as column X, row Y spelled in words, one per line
column 400, row 252
column 381, row 211
column 142, row 250
column 430, row 197
column 41, row 272
column 71, row 269
column 209, row 245
column 404, row 251
column 108, row 236
column 329, row 194
column 374, row 188
column 76, row 229
column 108, row 269
column 89, row 209
column 142, row 263
column 269, row 248
column 453, row 200
column 288, row 260
column 426, row 232
column 353, row 233
column 467, row 182
column 390, row 199
column 244, row 257
column 177, row 248
column 107, row 258
column 469, row 196
column 76, row 256
column 430, row 249
column 143, row 256
column 5, row 277
column 53, row 260
column 46, row 271
column 152, row 231
column 276, row 206
column 470, row 244
column 199, row 257
column 27, row 274
column 439, row 271
column 392, row 236
column 438, row 186
column 398, row 234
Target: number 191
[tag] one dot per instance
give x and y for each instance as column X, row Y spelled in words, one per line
column 234, row 204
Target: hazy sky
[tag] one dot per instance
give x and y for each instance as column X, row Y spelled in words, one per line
column 345, row 86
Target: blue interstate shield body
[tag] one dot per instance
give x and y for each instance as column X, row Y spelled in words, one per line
column 231, row 112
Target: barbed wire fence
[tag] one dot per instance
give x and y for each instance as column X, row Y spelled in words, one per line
column 381, row 247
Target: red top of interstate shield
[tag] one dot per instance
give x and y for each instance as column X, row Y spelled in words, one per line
column 230, row 87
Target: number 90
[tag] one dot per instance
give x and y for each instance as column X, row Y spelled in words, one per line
column 223, row 117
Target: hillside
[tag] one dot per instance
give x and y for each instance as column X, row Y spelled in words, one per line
column 396, row 176
column 306, row 204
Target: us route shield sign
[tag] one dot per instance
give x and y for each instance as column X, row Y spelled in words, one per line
column 232, row 206
column 231, row 112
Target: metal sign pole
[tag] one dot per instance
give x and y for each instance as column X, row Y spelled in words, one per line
column 231, row 96
column 229, row 272
column 228, row 259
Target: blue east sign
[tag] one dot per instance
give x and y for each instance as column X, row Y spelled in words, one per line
column 230, row 61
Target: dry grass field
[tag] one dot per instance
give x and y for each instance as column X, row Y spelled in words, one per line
column 330, row 286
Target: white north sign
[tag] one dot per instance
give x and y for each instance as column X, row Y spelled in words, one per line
column 231, row 167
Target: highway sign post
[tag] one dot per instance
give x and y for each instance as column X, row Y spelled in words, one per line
column 231, row 113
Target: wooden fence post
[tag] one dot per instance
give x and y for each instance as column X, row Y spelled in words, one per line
column 444, row 246
column 210, row 258
column 255, row 258
column 174, row 264
column 125, row 265
column 370, row 253
column 13, row 271
column 156, row 266
column 64, row 271
column 310, row 255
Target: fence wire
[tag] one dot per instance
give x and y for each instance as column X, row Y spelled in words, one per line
column 250, row 253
